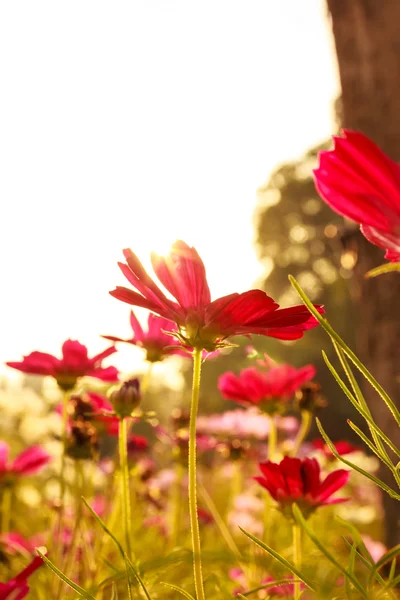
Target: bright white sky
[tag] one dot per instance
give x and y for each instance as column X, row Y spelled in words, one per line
column 133, row 123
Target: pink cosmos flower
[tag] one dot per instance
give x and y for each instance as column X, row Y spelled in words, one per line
column 28, row 462
column 18, row 588
column 281, row 591
column 243, row 424
column 203, row 323
column 155, row 341
column 343, row 447
column 266, row 389
column 15, row 543
column 362, row 183
column 299, row 480
column 74, row 364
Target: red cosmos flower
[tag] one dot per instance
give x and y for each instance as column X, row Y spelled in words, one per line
column 362, row 183
column 204, row 324
column 343, row 447
column 28, row 462
column 18, row 588
column 155, row 342
column 266, row 389
column 299, row 480
column 137, row 444
column 74, row 364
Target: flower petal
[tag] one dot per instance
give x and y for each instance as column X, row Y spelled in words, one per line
column 332, row 483
column 183, row 274
column 30, row 461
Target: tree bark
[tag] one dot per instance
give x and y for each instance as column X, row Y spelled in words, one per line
column 367, row 39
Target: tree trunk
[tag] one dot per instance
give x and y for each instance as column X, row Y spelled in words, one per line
column 367, row 39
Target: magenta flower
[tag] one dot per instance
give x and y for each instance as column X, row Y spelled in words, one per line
column 28, row 462
column 342, row 447
column 14, row 543
column 18, row 588
column 74, row 364
column 297, row 480
column 202, row 323
column 156, row 342
column 269, row 390
column 361, row 182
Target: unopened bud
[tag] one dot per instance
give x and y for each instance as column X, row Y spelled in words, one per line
column 126, row 398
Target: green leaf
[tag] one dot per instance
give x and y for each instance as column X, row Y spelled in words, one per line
column 357, row 537
column 178, row 589
column 389, row 556
column 271, row 584
column 280, row 558
column 332, row 333
column 369, row 567
column 370, row 445
column 363, row 404
column 82, row 593
column 382, row 269
column 377, row 481
column 302, row 522
column 128, row 563
column 364, row 412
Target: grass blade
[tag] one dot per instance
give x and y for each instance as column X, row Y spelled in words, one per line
column 377, row 481
column 302, row 522
column 280, row 559
column 82, row 593
column 332, row 333
column 180, row 590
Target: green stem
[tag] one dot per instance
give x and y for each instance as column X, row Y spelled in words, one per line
column 64, row 436
column 144, row 383
column 6, row 510
column 70, row 561
column 272, row 438
column 237, row 482
column 124, row 477
column 305, row 426
column 176, row 503
column 297, row 557
column 194, row 522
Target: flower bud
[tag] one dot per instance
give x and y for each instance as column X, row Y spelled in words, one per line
column 126, row 398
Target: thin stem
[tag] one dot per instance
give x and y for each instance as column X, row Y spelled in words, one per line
column 6, row 510
column 124, row 478
column 144, row 384
column 176, row 503
column 297, row 557
column 194, row 523
column 272, row 438
column 236, row 482
column 305, row 426
column 64, row 437
column 70, row 561
column 63, row 484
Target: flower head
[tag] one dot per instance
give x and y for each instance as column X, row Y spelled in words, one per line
column 74, row 364
column 156, row 341
column 362, row 183
column 29, row 461
column 297, row 480
column 18, row 588
column 270, row 390
column 126, row 398
column 343, row 447
column 202, row 323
